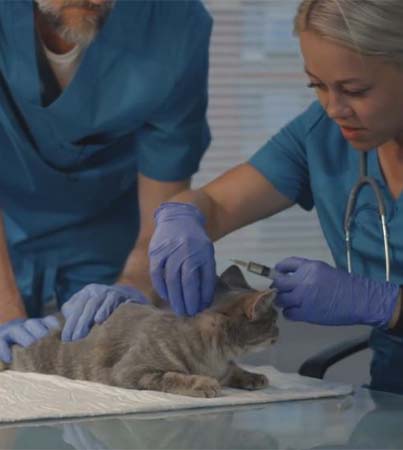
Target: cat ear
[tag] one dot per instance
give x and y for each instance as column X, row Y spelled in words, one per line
column 260, row 304
column 233, row 277
column 221, row 287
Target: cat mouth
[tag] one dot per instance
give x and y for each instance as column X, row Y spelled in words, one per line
column 269, row 338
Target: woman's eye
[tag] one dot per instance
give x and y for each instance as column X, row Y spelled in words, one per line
column 356, row 93
column 315, row 85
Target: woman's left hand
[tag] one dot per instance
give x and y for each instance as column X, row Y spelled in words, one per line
column 312, row 291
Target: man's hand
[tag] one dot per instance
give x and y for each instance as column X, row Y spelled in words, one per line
column 23, row 332
column 313, row 291
column 94, row 304
column 181, row 257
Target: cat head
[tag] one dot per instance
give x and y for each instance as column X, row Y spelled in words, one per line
column 249, row 314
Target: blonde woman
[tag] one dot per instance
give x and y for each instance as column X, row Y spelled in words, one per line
column 353, row 55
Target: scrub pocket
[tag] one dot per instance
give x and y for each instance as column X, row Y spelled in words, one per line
column 387, row 362
column 71, row 279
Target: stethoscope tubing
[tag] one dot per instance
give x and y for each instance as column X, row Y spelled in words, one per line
column 365, row 180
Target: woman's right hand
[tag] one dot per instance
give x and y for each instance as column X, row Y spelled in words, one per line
column 182, row 263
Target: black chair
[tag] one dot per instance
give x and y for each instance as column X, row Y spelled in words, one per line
column 317, row 365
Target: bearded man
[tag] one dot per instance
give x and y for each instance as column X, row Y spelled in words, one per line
column 102, row 118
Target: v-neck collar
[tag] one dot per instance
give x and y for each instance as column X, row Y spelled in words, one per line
column 374, row 170
column 383, row 183
column 24, row 69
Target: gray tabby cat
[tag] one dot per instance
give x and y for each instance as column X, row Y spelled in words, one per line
column 143, row 347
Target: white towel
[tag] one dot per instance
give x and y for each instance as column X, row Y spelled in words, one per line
column 31, row 396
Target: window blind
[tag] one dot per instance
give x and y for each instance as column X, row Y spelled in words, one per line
column 256, row 86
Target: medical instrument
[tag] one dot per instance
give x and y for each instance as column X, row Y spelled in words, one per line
column 256, row 268
column 363, row 180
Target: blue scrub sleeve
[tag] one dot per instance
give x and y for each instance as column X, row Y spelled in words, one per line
column 172, row 144
column 283, row 162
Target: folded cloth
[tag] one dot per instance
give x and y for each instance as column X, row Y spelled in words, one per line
column 32, row 396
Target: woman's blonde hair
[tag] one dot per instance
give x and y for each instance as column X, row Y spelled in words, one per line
column 370, row 27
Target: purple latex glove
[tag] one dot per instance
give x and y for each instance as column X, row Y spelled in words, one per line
column 313, row 291
column 24, row 332
column 93, row 305
column 182, row 263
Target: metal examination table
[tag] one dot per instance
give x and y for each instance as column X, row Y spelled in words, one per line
column 363, row 420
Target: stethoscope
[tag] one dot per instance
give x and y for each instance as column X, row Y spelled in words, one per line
column 364, row 180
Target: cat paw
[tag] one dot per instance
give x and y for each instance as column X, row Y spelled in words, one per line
column 254, row 381
column 205, row 387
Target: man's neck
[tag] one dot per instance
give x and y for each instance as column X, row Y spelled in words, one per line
column 49, row 37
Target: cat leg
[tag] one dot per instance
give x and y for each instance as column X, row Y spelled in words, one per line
column 239, row 378
column 179, row 383
column 129, row 376
column 3, row 366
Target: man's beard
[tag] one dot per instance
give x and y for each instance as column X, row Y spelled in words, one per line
column 84, row 31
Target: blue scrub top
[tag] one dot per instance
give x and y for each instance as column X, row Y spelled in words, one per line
column 136, row 104
column 310, row 162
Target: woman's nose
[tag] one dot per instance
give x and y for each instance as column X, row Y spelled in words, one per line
column 337, row 107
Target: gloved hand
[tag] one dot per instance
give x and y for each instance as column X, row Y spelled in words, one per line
column 94, row 304
column 182, row 263
column 313, row 291
column 23, row 332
